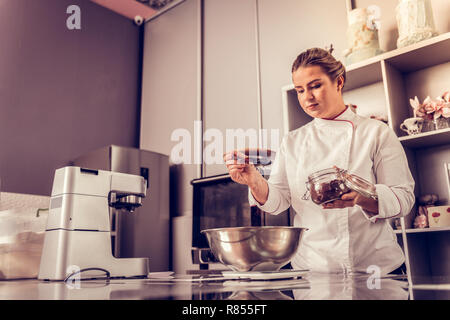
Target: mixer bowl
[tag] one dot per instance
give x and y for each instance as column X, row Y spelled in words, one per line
column 254, row 248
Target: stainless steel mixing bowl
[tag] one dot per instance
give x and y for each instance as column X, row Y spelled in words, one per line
column 254, row 248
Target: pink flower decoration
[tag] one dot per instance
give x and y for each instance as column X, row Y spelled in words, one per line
column 429, row 105
column 415, row 104
column 446, row 112
column 442, row 108
column 446, row 96
column 432, row 109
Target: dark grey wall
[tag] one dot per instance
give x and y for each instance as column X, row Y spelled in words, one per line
column 63, row 92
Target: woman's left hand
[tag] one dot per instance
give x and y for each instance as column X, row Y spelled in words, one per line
column 351, row 199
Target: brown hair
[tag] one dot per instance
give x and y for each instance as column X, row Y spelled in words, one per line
column 323, row 58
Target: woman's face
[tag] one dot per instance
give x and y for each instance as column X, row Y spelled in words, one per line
column 318, row 96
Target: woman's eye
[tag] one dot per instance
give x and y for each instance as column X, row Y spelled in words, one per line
column 300, row 91
column 317, row 86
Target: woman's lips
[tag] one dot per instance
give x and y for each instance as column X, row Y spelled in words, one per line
column 312, row 106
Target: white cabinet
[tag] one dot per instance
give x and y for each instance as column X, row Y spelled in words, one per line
column 170, row 102
column 170, row 98
column 391, row 79
column 230, row 89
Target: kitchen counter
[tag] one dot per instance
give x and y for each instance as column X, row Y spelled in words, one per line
column 186, row 287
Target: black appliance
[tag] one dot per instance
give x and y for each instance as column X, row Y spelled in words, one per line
column 219, row 202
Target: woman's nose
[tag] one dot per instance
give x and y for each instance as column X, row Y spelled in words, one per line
column 309, row 95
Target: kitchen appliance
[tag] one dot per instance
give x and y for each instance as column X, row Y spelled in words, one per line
column 219, row 202
column 78, row 232
column 254, row 248
column 146, row 232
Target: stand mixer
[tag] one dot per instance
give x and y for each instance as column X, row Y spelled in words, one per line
column 78, row 232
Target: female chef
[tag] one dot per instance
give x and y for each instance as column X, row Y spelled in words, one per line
column 351, row 234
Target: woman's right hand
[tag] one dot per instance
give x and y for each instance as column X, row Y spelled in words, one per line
column 239, row 168
column 244, row 172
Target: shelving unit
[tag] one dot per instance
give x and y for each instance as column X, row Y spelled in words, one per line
column 423, row 230
column 426, row 139
column 390, row 80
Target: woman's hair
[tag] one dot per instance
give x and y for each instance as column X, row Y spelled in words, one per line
column 323, row 58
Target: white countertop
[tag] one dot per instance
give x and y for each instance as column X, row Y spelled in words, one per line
column 309, row 287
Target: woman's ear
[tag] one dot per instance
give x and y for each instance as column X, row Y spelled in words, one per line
column 340, row 83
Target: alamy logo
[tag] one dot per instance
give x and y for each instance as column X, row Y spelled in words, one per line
column 373, row 17
column 373, row 281
column 73, row 22
column 74, row 278
column 208, row 146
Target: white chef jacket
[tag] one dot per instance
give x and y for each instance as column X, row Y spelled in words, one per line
column 342, row 240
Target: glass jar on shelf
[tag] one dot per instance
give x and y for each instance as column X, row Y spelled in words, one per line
column 435, row 124
column 428, row 125
column 441, row 123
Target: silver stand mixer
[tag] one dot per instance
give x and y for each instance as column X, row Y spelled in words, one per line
column 78, row 232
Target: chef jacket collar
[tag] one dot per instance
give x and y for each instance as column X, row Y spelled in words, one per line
column 346, row 116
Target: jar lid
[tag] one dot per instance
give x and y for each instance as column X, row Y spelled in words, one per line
column 321, row 173
column 359, row 184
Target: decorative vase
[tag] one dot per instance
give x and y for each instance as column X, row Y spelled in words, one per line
column 436, row 124
column 415, row 21
column 441, row 123
column 362, row 36
column 428, row 125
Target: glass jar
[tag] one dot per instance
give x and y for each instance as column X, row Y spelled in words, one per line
column 441, row 123
column 330, row 184
column 428, row 125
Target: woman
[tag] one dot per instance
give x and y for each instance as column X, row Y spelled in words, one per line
column 350, row 234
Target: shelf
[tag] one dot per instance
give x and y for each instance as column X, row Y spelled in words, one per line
column 414, row 57
column 363, row 74
column 420, row 55
column 358, row 75
column 426, row 53
column 426, row 139
column 430, row 52
column 423, row 230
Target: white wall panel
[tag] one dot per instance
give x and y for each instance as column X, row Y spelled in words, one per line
column 230, row 83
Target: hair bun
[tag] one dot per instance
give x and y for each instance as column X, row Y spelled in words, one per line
column 330, row 49
column 323, row 58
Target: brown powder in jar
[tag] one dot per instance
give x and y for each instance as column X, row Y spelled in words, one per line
column 328, row 191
